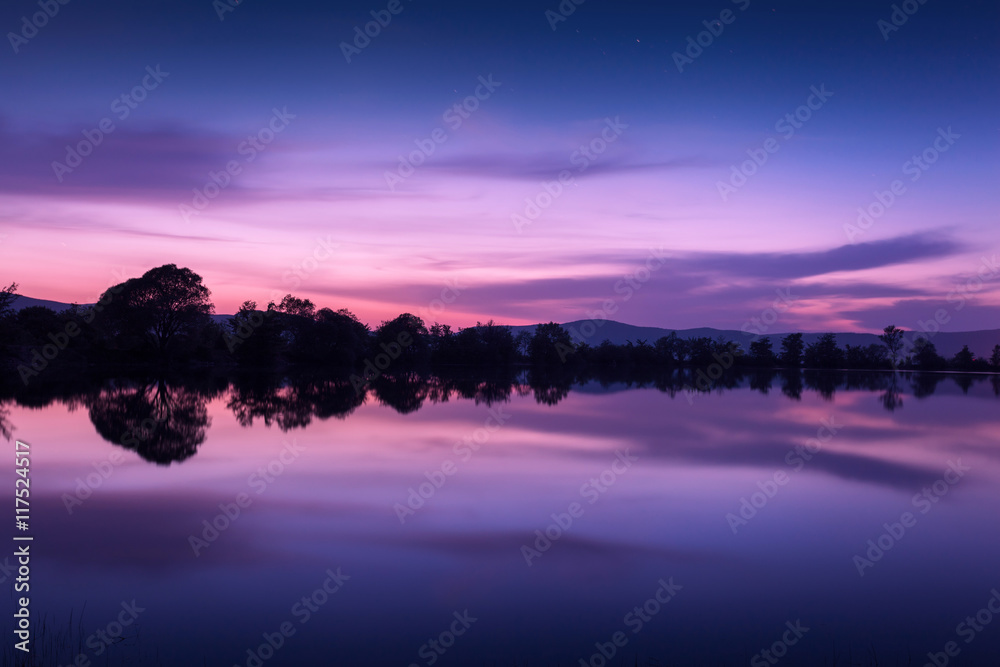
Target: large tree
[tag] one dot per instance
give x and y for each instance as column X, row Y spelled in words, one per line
column 551, row 343
column 892, row 338
column 162, row 306
column 791, row 350
column 761, row 352
column 7, row 297
column 926, row 357
column 824, row 353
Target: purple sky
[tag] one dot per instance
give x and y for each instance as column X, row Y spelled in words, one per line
column 661, row 143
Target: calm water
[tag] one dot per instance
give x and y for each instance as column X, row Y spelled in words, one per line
column 656, row 478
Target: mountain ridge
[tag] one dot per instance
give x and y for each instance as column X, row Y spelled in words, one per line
column 948, row 343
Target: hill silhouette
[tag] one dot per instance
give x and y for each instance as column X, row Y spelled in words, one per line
column 948, row 343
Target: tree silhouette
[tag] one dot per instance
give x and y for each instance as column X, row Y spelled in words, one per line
column 291, row 305
column 7, row 329
column 162, row 423
column 892, row 338
column 824, row 353
column 761, row 352
column 7, row 297
column 394, row 333
column 791, row 351
column 162, row 306
column 551, row 343
column 964, row 360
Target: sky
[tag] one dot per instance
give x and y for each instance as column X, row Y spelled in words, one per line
column 522, row 161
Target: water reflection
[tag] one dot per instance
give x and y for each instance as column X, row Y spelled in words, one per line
column 701, row 448
column 162, row 423
column 165, row 420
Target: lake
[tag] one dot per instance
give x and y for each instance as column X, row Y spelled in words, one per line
column 819, row 518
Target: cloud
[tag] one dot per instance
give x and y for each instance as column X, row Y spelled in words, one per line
column 857, row 257
column 549, row 165
column 697, row 286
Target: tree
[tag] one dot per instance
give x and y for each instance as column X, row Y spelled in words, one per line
column 7, row 297
column 892, row 338
column 408, row 333
column 254, row 337
column 964, row 360
column 7, row 329
column 995, row 357
column 761, row 352
column 667, row 348
column 550, row 343
column 791, row 350
column 291, row 305
column 346, row 338
column 869, row 356
column 497, row 344
column 162, row 306
column 824, row 353
column 926, row 357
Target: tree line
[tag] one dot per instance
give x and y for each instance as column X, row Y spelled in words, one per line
column 165, row 317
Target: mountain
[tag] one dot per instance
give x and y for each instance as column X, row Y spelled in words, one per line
column 21, row 302
column 948, row 343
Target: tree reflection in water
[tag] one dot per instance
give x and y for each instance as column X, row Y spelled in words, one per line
column 167, row 420
column 291, row 404
column 6, row 428
column 161, row 422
